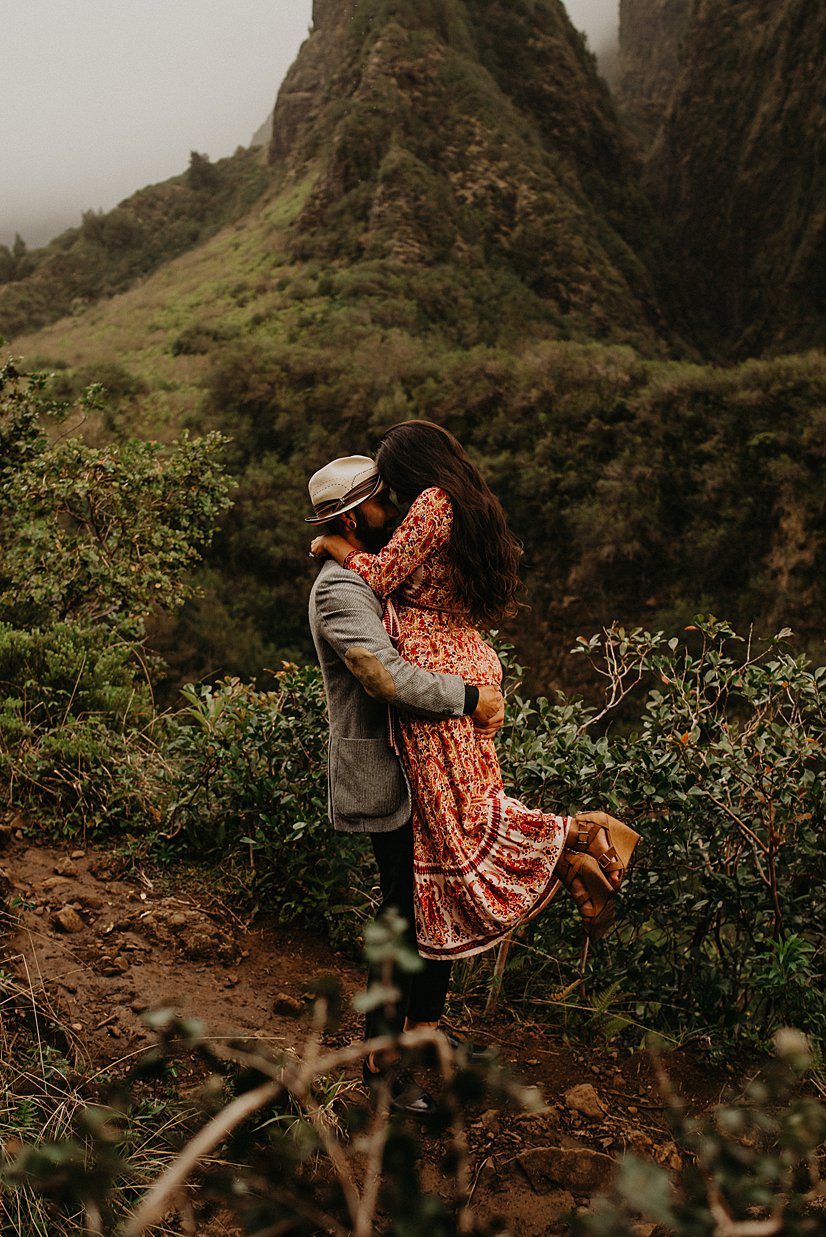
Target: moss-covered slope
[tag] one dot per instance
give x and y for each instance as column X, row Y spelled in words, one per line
column 469, row 149
column 111, row 250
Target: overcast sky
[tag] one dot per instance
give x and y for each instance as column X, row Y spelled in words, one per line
column 101, row 97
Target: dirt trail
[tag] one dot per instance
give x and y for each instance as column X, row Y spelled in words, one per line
column 102, row 946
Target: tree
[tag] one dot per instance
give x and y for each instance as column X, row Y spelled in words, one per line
column 97, row 534
column 92, row 540
column 201, row 174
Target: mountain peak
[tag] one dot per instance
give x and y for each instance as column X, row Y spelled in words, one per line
column 469, row 132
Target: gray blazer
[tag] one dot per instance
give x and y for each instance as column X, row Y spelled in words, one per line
column 367, row 788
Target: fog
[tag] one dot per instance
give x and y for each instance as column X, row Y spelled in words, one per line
column 600, row 21
column 101, row 97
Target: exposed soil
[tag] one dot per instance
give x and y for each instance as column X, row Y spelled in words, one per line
column 101, row 946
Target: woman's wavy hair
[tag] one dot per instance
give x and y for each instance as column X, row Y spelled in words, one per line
column 415, row 455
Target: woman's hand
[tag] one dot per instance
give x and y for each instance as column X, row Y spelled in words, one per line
column 331, row 546
column 319, row 547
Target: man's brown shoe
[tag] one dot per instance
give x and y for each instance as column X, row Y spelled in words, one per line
column 405, row 1096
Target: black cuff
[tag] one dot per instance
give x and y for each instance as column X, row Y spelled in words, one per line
column 471, row 699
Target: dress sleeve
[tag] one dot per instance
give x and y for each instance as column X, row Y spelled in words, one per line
column 424, row 529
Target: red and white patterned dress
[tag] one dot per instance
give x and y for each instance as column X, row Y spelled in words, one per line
column 482, row 860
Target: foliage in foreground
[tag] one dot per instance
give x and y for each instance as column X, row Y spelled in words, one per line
column 286, row 1143
column 750, row 1165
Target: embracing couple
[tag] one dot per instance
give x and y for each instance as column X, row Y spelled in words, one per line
column 414, row 700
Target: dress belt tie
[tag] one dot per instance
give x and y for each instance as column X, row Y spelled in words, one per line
column 390, row 619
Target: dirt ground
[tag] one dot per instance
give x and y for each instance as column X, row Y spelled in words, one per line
column 101, row 946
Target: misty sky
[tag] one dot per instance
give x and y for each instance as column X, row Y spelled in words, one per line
column 101, row 97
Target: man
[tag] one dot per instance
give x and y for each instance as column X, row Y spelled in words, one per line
column 368, row 790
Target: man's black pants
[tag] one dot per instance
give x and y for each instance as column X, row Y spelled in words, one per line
column 422, row 993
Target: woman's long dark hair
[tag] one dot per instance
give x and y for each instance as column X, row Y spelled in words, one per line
column 415, row 455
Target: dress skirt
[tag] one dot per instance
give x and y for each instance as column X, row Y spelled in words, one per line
column 482, row 860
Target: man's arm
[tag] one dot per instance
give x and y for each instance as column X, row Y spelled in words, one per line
column 349, row 618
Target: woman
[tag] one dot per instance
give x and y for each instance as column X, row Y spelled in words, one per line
column 483, row 861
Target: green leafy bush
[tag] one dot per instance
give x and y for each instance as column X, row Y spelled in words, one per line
column 92, row 541
column 249, row 778
column 106, row 534
column 720, row 765
column 78, row 733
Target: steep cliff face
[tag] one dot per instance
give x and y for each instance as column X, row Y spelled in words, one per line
column 472, row 135
column 652, row 34
column 304, row 87
column 738, row 170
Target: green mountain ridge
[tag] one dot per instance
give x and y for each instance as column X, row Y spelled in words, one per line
column 477, row 137
column 113, row 249
column 465, row 157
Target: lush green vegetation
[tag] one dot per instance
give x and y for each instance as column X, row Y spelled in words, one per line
column 111, row 250
column 718, row 757
column 92, row 541
column 722, row 770
column 643, row 491
column 713, row 745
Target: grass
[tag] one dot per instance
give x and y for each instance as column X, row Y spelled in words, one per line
column 49, row 1130
column 241, row 280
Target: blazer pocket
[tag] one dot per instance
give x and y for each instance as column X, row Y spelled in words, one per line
column 366, row 780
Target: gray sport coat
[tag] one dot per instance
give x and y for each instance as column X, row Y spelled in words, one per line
column 367, row 787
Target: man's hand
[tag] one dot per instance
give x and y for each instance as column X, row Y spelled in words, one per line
column 489, row 716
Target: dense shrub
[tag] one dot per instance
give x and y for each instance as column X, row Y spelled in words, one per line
column 717, row 759
column 92, row 540
column 249, row 777
column 97, row 534
column 720, row 765
column 78, row 733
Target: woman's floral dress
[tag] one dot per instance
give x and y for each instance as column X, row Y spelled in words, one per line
column 482, row 860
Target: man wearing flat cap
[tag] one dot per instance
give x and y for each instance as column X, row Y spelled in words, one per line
column 362, row 672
